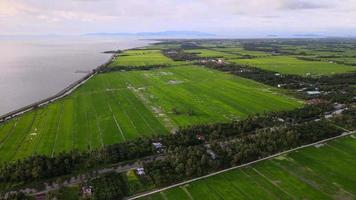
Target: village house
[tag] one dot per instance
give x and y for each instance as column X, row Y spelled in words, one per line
column 211, row 153
column 140, row 171
column 313, row 93
column 200, row 137
column 87, row 191
column 158, row 146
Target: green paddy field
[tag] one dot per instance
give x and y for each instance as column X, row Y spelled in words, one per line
column 118, row 106
column 291, row 65
column 139, row 58
column 322, row 172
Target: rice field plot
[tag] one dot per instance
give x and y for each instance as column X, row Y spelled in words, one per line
column 188, row 95
column 96, row 114
column 241, row 51
column 346, row 60
column 291, row 65
column 162, row 46
column 139, row 58
column 208, row 53
column 323, row 172
column 119, row 106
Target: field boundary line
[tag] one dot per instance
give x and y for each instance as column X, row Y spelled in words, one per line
column 8, row 134
column 58, row 125
column 138, row 113
column 240, row 166
column 25, row 135
column 185, row 190
column 36, row 116
column 272, row 183
column 111, row 93
column 233, row 185
column 145, row 102
column 126, row 114
column 301, row 178
column 98, row 126
column 46, row 117
column 257, row 183
column 117, row 123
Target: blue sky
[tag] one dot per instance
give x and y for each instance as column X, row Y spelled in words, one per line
column 223, row 17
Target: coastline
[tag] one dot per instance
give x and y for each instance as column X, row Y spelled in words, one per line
column 61, row 94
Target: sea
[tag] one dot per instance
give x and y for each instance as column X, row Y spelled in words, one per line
column 34, row 68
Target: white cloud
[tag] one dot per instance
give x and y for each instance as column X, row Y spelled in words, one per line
column 78, row 16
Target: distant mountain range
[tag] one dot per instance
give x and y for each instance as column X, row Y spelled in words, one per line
column 163, row 33
column 302, row 35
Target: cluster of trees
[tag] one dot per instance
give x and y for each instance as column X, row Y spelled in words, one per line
column 181, row 164
column 184, row 163
column 131, row 68
column 250, row 124
column 40, row 166
column 109, row 186
column 179, row 55
column 16, row 196
column 347, row 119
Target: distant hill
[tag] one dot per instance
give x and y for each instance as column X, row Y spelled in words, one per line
column 163, row 33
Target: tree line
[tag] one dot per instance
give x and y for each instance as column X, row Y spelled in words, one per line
column 186, row 163
column 39, row 167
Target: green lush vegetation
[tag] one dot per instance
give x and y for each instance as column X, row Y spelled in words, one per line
column 208, row 53
column 65, row 193
column 241, row 51
column 320, row 172
column 114, row 107
column 139, row 58
column 291, row 65
column 222, row 115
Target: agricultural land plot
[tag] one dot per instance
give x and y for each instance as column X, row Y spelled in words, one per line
column 291, row 65
column 139, row 58
column 346, row 60
column 96, row 114
column 188, row 95
column 119, row 106
column 320, row 172
column 208, row 53
column 162, row 46
column 241, row 51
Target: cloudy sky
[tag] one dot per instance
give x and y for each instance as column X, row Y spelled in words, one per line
column 224, row 17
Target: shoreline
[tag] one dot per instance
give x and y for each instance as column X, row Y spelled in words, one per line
column 61, row 94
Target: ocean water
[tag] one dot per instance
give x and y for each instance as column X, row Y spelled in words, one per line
column 32, row 69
